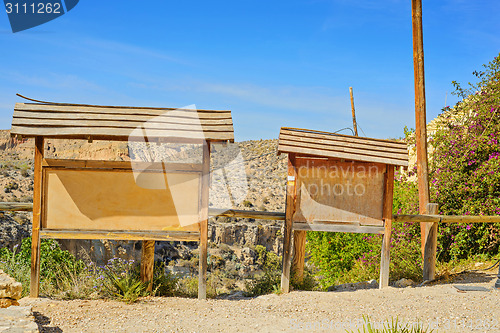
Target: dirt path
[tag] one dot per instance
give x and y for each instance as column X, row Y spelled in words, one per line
column 441, row 306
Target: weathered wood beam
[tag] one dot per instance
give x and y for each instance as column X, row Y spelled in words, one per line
column 16, row 206
column 430, row 246
column 247, row 214
column 121, row 235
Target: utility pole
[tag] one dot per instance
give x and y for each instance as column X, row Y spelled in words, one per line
column 421, row 132
column 354, row 125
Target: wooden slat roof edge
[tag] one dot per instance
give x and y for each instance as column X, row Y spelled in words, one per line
column 377, row 145
column 18, row 106
column 342, row 135
column 342, row 155
column 212, row 132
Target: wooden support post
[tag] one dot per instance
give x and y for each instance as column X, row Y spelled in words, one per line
column 420, row 116
column 354, row 124
column 299, row 254
column 37, row 221
column 148, row 262
column 385, row 257
column 430, row 246
column 289, row 211
column 205, row 185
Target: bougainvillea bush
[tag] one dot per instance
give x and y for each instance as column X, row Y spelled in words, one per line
column 466, row 166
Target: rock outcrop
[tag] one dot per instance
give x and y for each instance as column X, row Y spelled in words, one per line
column 10, row 290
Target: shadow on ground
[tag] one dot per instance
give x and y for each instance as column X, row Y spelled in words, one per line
column 44, row 323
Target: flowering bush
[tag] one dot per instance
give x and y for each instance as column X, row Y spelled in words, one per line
column 465, row 164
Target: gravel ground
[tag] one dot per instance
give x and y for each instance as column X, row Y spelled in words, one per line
column 441, row 306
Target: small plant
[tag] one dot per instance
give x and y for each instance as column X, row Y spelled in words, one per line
column 123, row 281
column 247, row 203
column 25, row 173
column 164, row 283
column 392, row 326
column 11, row 186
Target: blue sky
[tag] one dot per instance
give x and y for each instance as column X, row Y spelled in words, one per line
column 273, row 63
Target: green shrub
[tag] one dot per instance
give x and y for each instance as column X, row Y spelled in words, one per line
column 269, row 281
column 54, row 263
column 164, row 283
column 334, row 254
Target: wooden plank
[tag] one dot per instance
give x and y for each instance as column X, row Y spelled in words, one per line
column 247, row 214
column 419, row 218
column 329, row 227
column 340, row 137
column 291, row 196
column 347, row 156
column 122, row 133
column 387, row 215
column 204, row 198
column 357, row 152
column 147, row 263
column 121, row 235
column 149, row 125
column 124, row 165
column 37, row 218
column 120, row 110
column 400, row 151
column 183, row 140
column 342, row 146
column 299, row 254
column 468, row 219
column 430, row 246
column 16, row 206
column 175, row 117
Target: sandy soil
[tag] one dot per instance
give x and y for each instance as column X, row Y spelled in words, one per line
column 440, row 306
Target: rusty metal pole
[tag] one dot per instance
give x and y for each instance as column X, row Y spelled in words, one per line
column 420, row 124
column 354, row 125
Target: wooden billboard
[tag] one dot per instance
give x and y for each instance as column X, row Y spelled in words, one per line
column 85, row 199
column 337, row 183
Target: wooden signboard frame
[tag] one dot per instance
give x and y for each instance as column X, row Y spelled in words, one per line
column 59, row 193
column 337, row 183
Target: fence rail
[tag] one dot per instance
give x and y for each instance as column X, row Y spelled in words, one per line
column 280, row 216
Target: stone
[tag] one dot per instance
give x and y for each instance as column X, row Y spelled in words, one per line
column 404, row 283
column 9, row 288
column 354, row 286
column 18, row 319
column 6, row 302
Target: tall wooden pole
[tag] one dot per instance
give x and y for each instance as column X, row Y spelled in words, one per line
column 37, row 220
column 205, row 187
column 291, row 196
column 420, row 124
column 354, row 124
column 148, row 263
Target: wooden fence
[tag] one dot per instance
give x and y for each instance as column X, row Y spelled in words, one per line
column 280, row 216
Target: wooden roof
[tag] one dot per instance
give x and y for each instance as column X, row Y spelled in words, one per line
column 120, row 123
column 323, row 144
